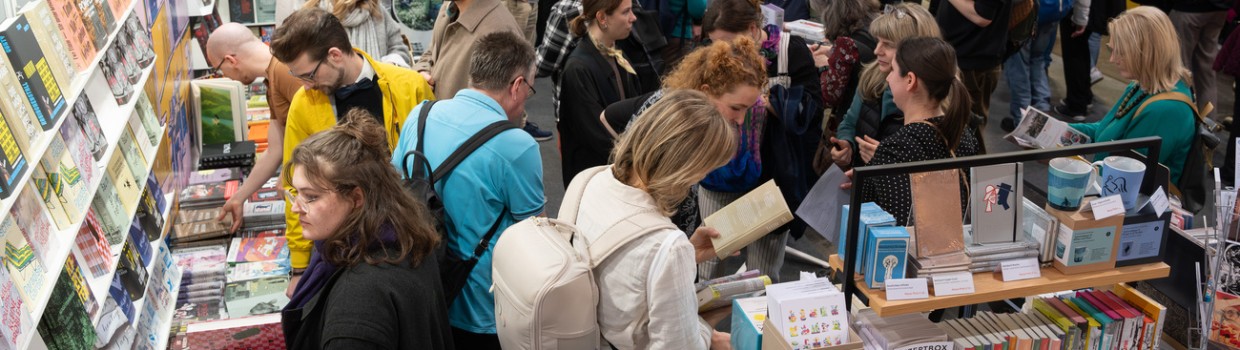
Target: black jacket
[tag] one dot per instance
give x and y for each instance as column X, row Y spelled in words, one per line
column 587, row 86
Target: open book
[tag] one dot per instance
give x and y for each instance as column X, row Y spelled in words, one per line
column 748, row 218
column 1039, row 130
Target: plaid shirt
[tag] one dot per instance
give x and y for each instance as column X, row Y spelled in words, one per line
column 557, row 43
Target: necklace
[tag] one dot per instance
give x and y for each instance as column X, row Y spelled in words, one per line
column 1131, row 99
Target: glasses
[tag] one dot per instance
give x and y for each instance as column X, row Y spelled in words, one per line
column 309, row 78
column 302, row 201
column 899, row 12
column 217, row 67
column 531, row 86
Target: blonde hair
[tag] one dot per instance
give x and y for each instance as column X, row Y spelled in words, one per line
column 722, row 67
column 342, row 8
column 898, row 22
column 1147, row 44
column 672, row 146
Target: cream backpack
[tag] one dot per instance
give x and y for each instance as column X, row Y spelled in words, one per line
column 545, row 292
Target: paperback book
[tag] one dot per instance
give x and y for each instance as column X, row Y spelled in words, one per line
column 111, row 214
column 17, row 110
column 1040, row 130
column 33, row 222
column 65, row 324
column 748, row 218
column 74, row 28
column 92, row 245
column 34, row 73
column 85, row 121
column 14, row 315
column 13, row 163
column 46, row 31
column 26, row 269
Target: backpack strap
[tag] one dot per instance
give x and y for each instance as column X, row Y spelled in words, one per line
column 571, row 202
column 468, row 147
column 1172, row 96
column 627, row 230
column 419, row 160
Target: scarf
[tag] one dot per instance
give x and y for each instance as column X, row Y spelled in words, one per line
column 364, row 30
column 614, row 53
column 319, row 271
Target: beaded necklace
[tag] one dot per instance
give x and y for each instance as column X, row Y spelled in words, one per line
column 1131, row 100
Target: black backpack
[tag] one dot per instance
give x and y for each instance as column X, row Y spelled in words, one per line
column 1021, row 25
column 453, row 270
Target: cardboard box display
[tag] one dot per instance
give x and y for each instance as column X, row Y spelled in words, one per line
column 808, row 311
column 772, row 340
column 748, row 318
column 1144, row 237
column 1084, row 244
column 871, row 216
column 886, row 254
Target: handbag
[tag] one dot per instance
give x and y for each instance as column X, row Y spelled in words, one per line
column 1193, row 187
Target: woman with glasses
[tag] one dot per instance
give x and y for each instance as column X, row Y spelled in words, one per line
column 371, row 29
column 378, row 286
column 596, row 74
column 873, row 116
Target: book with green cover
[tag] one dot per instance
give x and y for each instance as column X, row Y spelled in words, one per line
column 65, row 325
column 1109, row 328
column 1059, row 320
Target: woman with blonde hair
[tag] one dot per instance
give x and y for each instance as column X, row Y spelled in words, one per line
column 1146, row 50
column 370, row 27
column 646, row 294
column 873, row 116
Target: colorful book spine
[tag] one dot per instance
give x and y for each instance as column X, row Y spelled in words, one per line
column 16, row 109
column 74, row 28
column 34, row 72
column 47, row 32
column 13, row 163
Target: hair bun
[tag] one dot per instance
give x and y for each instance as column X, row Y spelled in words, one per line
column 363, row 127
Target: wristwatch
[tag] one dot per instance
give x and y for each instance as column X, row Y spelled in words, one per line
column 298, row 272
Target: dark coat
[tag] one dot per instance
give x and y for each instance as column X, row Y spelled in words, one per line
column 587, row 86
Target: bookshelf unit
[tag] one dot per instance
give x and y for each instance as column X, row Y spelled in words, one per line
column 988, row 286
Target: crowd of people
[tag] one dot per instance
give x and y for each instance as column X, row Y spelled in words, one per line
column 683, row 124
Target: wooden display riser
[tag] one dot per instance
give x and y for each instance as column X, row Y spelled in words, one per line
column 990, row 287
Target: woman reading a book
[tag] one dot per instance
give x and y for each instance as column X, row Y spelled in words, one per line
column 924, row 84
column 378, row 286
column 648, row 281
column 1146, row 50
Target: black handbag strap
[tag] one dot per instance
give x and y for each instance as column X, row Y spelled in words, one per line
column 463, row 151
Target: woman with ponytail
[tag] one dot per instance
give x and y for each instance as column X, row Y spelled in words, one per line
column 378, row 285
column 371, row 29
column 925, row 85
column 595, row 75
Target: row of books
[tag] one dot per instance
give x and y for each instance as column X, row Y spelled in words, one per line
column 1120, row 318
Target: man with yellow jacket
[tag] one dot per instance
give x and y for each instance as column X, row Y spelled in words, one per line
column 336, row 78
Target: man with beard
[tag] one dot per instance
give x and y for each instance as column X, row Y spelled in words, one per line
column 336, row 78
column 237, row 54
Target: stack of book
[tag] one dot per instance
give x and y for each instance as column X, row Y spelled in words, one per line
column 988, row 330
column 258, row 273
column 976, row 258
column 227, row 155
column 264, row 210
column 209, row 188
column 201, row 297
column 198, row 227
column 908, row 331
column 257, row 332
column 720, row 292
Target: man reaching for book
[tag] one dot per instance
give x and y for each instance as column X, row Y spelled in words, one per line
column 234, row 52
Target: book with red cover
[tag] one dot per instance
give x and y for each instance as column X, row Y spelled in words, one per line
column 1133, row 319
column 1068, row 312
column 256, row 333
column 1123, row 341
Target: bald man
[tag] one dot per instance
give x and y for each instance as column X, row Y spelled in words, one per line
column 237, row 54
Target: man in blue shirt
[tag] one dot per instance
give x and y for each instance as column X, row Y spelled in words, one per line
column 502, row 179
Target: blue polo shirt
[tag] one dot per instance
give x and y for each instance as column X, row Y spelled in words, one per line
column 504, row 172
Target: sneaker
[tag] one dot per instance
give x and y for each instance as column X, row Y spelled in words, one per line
column 1008, row 124
column 538, row 134
column 1095, row 76
column 1062, row 109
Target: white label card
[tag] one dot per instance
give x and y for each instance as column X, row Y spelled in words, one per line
column 907, row 289
column 1159, row 201
column 1106, row 207
column 1020, row 269
column 952, row 283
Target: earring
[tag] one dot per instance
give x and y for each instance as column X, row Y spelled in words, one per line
column 602, row 26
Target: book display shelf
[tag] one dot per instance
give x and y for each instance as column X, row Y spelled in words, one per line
column 989, row 286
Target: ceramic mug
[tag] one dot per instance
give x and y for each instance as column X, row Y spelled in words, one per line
column 1120, row 175
column 1066, row 182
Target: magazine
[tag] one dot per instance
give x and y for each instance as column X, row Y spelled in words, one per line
column 1039, row 130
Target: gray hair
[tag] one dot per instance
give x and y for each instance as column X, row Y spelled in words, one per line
column 497, row 58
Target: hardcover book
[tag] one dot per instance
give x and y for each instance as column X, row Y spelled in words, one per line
column 259, row 332
column 26, row 269
column 14, row 315
column 213, row 176
column 141, row 247
column 46, row 31
column 13, row 164
column 263, row 213
column 74, row 28
column 202, row 230
column 17, row 110
column 128, row 189
column 241, row 11
column 33, row 222
column 205, row 195
column 93, row 247
column 261, row 246
column 270, row 191
column 748, row 218
column 112, row 216
column 34, row 73
column 220, row 108
column 1152, row 309
column 121, row 296
column 937, row 219
column 65, row 324
column 260, row 269
column 996, row 203
column 71, row 179
column 228, row 154
column 85, row 121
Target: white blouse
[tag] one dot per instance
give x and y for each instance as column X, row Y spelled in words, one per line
column 646, row 294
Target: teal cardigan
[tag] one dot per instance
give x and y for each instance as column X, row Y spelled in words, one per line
column 848, row 126
column 1171, row 120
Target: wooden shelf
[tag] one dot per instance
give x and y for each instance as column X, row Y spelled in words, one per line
column 989, row 287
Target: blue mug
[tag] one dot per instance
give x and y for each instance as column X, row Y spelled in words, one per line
column 1122, row 176
column 1066, row 183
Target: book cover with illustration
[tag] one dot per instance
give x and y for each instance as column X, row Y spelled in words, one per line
column 131, row 272
column 260, row 246
column 139, row 42
column 17, row 110
column 13, row 164
column 121, row 296
column 75, row 274
column 256, row 297
column 128, row 190
column 74, row 28
column 242, row 11
column 92, row 245
column 107, row 207
column 46, row 31
column 134, row 158
column 114, row 72
column 34, row 73
column 208, row 194
column 65, row 324
column 24, row 266
column 69, row 183
column 14, row 315
column 85, row 121
column 93, row 21
column 33, row 222
column 150, row 123
column 129, row 60
column 48, row 186
column 79, row 153
column 220, row 112
column 141, row 246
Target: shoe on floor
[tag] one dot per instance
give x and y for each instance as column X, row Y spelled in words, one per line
column 1008, row 124
column 1062, row 109
column 1095, row 76
column 538, row 134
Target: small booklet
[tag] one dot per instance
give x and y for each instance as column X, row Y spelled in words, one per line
column 718, row 295
column 1039, row 130
column 748, row 218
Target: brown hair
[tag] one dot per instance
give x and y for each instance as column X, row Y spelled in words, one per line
column 672, row 146
column 733, row 16
column 722, row 66
column 354, row 155
column 843, row 17
column 1147, row 44
column 934, row 62
column 309, row 31
column 903, row 20
column 342, row 8
column 589, row 8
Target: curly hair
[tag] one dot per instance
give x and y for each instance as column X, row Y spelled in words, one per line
column 721, row 67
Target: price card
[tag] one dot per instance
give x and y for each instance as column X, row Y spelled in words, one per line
column 907, row 289
column 1020, row 269
column 1159, row 201
column 953, row 283
column 1106, row 207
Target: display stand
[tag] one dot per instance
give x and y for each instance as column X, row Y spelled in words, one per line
column 989, row 289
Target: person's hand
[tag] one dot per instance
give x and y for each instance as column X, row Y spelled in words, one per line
column 868, row 146
column 821, row 54
column 292, row 285
column 847, row 185
column 841, row 154
column 720, row 341
column 714, row 317
column 427, row 75
column 703, row 247
column 232, row 208
column 1079, row 30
